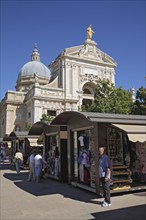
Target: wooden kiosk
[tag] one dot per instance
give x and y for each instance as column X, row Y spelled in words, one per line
column 121, row 134
column 53, row 137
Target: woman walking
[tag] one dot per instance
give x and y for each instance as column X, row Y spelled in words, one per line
column 38, row 165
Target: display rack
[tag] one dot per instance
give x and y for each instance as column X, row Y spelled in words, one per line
column 121, row 175
column 115, row 147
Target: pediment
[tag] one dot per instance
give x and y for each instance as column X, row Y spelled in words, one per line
column 89, row 51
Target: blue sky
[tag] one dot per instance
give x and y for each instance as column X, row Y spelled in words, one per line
column 119, row 26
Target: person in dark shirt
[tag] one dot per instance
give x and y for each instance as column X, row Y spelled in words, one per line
column 105, row 175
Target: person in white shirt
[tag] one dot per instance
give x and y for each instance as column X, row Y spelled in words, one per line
column 18, row 161
column 38, row 166
column 31, row 166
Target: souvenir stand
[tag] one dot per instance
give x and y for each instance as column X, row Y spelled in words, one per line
column 56, row 152
column 54, row 141
column 19, row 142
column 81, row 153
column 36, row 136
column 87, row 131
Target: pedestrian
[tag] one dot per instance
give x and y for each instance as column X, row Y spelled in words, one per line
column 56, row 161
column 105, row 175
column 2, row 153
column 1, row 158
column 30, row 160
column 38, row 161
column 44, row 166
column 18, row 158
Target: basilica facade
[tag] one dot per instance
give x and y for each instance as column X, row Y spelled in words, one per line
column 65, row 85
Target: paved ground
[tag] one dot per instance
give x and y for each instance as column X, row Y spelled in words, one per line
column 22, row 200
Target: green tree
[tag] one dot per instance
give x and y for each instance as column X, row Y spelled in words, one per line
column 28, row 126
column 139, row 107
column 108, row 99
column 46, row 118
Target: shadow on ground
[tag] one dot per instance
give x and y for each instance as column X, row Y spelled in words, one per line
column 49, row 187
column 130, row 213
column 6, row 166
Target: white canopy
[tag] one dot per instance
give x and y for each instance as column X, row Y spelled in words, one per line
column 134, row 132
column 33, row 141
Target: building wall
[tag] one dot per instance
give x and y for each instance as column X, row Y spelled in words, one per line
column 72, row 71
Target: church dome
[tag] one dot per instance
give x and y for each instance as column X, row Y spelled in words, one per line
column 34, row 67
column 32, row 72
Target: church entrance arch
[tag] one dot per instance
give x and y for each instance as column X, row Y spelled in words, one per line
column 88, row 93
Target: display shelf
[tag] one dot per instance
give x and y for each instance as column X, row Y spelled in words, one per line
column 120, row 167
column 115, row 146
column 116, row 173
column 122, row 181
column 121, row 174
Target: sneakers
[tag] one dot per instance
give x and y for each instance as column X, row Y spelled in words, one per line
column 105, row 204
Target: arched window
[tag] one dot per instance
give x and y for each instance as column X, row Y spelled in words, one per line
column 86, row 102
column 86, row 91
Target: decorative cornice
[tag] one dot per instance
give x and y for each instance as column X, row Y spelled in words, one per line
column 89, row 77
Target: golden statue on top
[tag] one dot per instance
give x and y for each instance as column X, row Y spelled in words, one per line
column 90, row 32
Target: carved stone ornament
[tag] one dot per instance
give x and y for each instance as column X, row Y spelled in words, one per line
column 90, row 50
column 89, row 77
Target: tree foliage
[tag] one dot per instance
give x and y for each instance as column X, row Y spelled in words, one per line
column 139, row 107
column 46, row 118
column 28, row 126
column 108, row 99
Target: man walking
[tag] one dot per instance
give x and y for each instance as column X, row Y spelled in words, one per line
column 18, row 160
column 31, row 175
column 105, row 175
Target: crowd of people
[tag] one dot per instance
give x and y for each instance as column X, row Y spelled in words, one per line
column 36, row 163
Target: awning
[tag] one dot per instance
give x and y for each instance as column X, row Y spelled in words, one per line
column 18, row 135
column 134, row 132
column 37, row 128
column 33, row 142
column 69, row 117
column 137, row 137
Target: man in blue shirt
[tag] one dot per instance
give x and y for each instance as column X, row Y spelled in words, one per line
column 105, row 175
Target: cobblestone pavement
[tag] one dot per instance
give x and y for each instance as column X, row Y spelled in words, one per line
column 50, row 199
